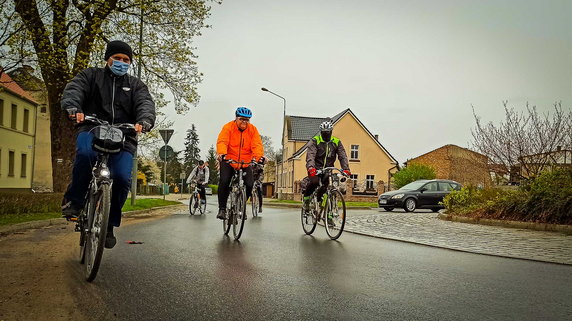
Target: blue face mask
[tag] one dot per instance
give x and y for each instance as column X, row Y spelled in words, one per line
column 119, row 68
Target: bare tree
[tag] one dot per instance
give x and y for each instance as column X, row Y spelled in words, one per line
column 59, row 38
column 522, row 145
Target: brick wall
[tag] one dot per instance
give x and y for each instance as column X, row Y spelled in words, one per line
column 458, row 164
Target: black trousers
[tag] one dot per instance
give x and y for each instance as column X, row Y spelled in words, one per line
column 226, row 172
column 202, row 192
column 314, row 183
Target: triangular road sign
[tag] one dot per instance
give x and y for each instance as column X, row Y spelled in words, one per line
column 166, row 134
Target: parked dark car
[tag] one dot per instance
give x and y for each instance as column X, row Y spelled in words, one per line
column 419, row 194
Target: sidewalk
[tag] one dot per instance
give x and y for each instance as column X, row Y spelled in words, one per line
column 427, row 229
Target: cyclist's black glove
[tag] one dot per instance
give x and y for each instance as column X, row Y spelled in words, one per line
column 262, row 160
column 146, row 125
column 71, row 111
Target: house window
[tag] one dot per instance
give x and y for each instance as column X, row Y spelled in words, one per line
column 14, row 116
column 11, row 163
column 26, row 120
column 24, row 165
column 354, row 178
column 1, row 112
column 354, row 153
column 43, row 108
column 369, row 181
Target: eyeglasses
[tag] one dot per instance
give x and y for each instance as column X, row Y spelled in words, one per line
column 244, row 120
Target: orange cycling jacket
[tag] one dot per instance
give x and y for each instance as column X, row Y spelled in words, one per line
column 239, row 145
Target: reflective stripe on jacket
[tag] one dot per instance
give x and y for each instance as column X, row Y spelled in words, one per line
column 322, row 154
column 239, row 145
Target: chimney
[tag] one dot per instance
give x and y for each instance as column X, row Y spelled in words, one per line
column 376, row 136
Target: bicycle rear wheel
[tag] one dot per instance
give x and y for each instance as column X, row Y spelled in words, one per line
column 83, row 222
column 202, row 207
column 335, row 214
column 255, row 202
column 239, row 213
column 308, row 218
column 226, row 223
column 97, row 232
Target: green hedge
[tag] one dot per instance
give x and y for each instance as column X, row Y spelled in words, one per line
column 214, row 188
column 18, row 203
column 547, row 199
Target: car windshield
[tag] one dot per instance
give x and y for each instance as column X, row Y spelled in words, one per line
column 414, row 185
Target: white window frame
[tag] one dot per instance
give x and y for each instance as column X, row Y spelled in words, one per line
column 369, row 182
column 354, row 149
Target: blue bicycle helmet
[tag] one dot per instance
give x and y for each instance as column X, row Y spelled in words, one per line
column 243, row 112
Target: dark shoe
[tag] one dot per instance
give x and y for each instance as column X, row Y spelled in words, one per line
column 110, row 240
column 260, row 210
column 221, row 214
column 69, row 212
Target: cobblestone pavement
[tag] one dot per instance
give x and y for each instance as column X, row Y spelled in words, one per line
column 426, row 228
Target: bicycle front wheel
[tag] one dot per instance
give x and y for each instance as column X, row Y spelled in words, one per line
column 255, row 202
column 97, row 232
column 335, row 214
column 239, row 209
column 193, row 204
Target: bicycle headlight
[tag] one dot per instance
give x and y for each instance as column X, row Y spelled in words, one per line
column 104, row 172
column 397, row 196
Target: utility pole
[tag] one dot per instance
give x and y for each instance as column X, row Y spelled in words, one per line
column 139, row 67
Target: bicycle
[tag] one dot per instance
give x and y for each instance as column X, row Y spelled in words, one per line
column 94, row 217
column 236, row 203
column 195, row 201
column 332, row 202
column 256, row 201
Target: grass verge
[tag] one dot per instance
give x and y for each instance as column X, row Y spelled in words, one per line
column 8, row 219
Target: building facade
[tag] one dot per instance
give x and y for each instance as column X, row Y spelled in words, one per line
column 17, row 135
column 457, row 163
column 370, row 163
column 24, row 77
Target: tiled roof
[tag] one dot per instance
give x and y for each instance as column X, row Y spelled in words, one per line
column 10, row 85
column 304, row 128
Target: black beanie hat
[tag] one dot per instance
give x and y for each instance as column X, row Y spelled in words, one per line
column 118, row 46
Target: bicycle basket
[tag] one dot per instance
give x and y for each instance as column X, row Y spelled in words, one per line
column 107, row 139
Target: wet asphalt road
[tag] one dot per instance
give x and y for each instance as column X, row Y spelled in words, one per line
column 187, row 270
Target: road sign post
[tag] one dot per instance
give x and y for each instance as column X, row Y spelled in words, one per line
column 166, row 135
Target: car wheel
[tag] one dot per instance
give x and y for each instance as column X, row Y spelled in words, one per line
column 410, row 205
column 388, row 209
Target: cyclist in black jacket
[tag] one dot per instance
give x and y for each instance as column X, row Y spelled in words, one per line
column 110, row 94
column 322, row 152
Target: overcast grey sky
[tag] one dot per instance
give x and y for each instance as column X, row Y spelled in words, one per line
column 409, row 69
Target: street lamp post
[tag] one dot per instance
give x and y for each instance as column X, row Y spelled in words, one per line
column 283, row 126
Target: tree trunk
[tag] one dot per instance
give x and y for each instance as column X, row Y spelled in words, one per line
column 63, row 141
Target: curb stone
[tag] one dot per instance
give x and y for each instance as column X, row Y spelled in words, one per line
column 296, row 205
column 14, row 228
column 566, row 229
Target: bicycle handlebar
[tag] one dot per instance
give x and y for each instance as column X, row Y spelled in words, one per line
column 323, row 170
column 95, row 120
column 232, row 161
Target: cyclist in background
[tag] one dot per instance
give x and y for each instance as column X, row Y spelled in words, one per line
column 240, row 141
column 322, row 152
column 258, row 175
column 200, row 175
